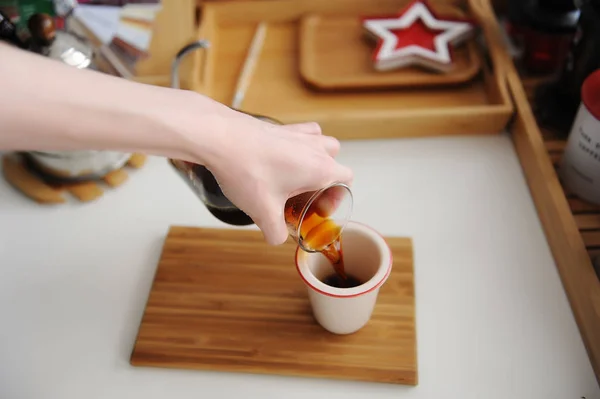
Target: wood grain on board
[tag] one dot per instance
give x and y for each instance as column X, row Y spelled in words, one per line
column 223, row 300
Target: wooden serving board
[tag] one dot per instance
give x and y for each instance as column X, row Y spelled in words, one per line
column 223, row 300
column 276, row 89
column 334, row 55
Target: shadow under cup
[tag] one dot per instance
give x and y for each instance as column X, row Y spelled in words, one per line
column 368, row 258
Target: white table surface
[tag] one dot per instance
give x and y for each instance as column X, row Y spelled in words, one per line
column 493, row 320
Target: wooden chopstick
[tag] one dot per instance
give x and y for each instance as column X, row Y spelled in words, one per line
column 249, row 65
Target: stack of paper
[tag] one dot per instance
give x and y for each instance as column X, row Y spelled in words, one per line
column 124, row 28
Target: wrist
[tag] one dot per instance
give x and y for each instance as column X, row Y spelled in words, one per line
column 199, row 128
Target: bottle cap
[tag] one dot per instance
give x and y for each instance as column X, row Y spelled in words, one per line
column 590, row 93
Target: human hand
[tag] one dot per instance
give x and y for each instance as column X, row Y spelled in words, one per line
column 261, row 165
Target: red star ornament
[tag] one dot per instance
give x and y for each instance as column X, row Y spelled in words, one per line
column 416, row 36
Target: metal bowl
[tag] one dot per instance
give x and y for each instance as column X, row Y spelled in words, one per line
column 77, row 165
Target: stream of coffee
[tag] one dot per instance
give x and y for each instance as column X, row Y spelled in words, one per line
column 317, row 231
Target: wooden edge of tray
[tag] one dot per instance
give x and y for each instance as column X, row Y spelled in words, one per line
column 464, row 120
column 484, row 18
column 568, row 249
column 308, row 74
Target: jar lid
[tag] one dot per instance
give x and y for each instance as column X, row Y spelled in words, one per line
column 590, row 93
column 555, row 17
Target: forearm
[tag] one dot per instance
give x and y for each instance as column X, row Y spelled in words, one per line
column 50, row 106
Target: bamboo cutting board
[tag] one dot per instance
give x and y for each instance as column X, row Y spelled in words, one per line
column 223, row 300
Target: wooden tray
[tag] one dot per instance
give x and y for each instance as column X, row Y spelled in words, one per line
column 573, row 262
column 480, row 106
column 334, row 55
column 224, row 300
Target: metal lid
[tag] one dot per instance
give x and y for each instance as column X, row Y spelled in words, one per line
column 555, row 17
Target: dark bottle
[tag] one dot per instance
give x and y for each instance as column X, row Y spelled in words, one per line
column 556, row 103
column 544, row 30
column 8, row 32
column 43, row 32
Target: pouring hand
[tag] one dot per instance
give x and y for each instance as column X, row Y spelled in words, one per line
column 260, row 165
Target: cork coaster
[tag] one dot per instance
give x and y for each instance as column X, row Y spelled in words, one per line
column 31, row 184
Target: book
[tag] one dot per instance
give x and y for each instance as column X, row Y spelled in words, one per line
column 123, row 27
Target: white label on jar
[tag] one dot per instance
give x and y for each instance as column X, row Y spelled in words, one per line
column 580, row 170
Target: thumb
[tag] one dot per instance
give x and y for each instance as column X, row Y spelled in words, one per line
column 343, row 174
column 271, row 222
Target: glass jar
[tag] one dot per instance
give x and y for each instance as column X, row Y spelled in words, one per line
column 556, row 103
column 68, row 166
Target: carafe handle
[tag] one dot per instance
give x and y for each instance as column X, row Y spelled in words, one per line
column 181, row 55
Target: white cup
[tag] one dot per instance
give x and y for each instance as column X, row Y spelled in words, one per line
column 368, row 258
column 580, row 166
